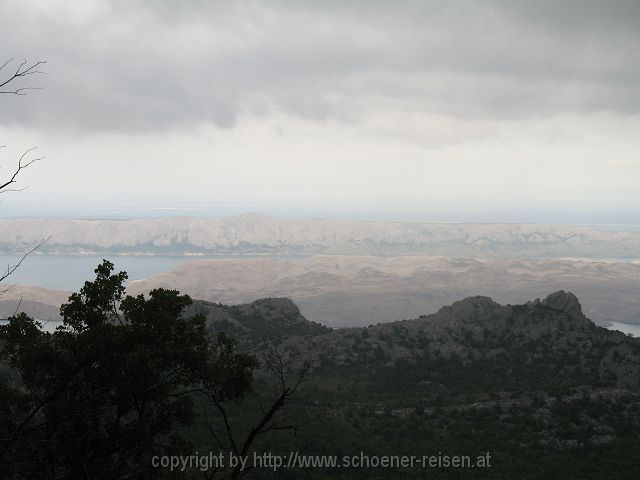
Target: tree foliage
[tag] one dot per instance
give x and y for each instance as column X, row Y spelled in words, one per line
column 112, row 386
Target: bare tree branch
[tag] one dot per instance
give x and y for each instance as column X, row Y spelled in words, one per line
column 278, row 367
column 10, row 84
column 287, row 375
column 18, row 306
column 24, row 70
column 23, row 162
column 12, row 268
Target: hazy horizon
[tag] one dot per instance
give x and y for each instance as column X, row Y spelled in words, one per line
column 608, row 220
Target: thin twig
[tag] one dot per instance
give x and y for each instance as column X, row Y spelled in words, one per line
column 21, row 166
column 17, row 307
column 12, row 268
column 21, row 72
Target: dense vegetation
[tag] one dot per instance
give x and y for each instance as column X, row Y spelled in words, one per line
column 127, row 379
column 542, row 388
column 113, row 386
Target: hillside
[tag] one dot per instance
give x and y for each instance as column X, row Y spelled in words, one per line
column 542, row 342
column 251, row 324
column 38, row 302
column 538, row 385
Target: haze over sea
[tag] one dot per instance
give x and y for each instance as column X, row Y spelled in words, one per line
column 69, row 272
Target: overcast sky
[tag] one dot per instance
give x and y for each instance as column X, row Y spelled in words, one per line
column 449, row 110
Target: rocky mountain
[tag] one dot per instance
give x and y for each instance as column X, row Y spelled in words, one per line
column 259, row 234
column 267, row 318
column 542, row 341
column 341, row 291
column 538, row 385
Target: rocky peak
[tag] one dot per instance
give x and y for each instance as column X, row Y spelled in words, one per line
column 474, row 303
column 564, row 301
column 283, row 306
column 473, row 308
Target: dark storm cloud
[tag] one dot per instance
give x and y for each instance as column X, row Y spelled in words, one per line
column 152, row 66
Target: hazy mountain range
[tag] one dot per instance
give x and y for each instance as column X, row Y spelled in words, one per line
column 350, row 273
column 360, row 290
column 344, row 291
column 259, row 234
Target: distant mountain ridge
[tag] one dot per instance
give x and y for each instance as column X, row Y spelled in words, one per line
column 345, row 290
column 342, row 290
column 258, row 234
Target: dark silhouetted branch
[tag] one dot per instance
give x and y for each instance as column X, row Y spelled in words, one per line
column 23, row 162
column 24, row 70
column 12, row 268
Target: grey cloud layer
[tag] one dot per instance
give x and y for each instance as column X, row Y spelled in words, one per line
column 150, row 66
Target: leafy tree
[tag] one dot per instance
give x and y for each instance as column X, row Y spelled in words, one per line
column 112, row 386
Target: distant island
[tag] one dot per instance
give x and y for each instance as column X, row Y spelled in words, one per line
column 254, row 234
